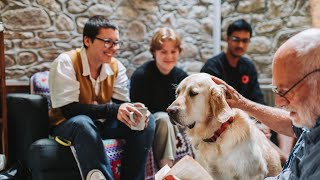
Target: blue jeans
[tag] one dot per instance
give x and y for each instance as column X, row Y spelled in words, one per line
column 86, row 136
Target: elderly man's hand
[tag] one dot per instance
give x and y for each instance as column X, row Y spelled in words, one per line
column 124, row 113
column 234, row 98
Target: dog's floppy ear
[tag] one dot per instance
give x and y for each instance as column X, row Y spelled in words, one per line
column 219, row 106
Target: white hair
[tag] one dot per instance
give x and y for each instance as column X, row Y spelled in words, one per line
column 309, row 111
column 306, row 45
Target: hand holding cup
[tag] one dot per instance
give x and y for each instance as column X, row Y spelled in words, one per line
column 140, row 121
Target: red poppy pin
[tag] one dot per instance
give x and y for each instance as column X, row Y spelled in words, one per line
column 245, row 79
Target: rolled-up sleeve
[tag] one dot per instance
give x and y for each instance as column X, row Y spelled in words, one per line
column 64, row 88
column 120, row 89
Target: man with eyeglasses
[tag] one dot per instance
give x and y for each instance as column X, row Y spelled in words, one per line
column 231, row 66
column 296, row 70
column 89, row 99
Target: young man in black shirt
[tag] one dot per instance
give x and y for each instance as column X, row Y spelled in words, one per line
column 232, row 67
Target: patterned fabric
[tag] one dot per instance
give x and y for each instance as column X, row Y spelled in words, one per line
column 39, row 85
column 114, row 151
column 183, row 144
column 150, row 167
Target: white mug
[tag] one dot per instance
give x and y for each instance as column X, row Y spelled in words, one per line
column 142, row 120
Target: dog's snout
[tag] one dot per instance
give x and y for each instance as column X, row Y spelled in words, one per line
column 172, row 111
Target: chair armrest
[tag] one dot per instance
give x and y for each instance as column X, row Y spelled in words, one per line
column 27, row 122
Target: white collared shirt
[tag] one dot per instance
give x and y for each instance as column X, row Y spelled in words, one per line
column 65, row 89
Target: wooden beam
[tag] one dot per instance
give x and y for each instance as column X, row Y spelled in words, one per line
column 3, row 94
column 315, row 12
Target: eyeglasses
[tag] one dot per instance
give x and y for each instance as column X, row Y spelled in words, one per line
column 108, row 43
column 238, row 40
column 282, row 94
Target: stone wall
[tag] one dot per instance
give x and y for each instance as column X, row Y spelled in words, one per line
column 37, row 31
column 273, row 22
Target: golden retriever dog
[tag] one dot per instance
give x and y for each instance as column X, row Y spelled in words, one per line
column 226, row 141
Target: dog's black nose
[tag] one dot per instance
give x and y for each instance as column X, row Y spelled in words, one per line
column 172, row 111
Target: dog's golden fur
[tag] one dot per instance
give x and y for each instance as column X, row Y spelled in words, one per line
column 241, row 152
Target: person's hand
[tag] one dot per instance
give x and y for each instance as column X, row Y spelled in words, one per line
column 124, row 113
column 234, row 98
column 138, row 104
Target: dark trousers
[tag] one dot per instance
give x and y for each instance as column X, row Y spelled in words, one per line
column 86, row 136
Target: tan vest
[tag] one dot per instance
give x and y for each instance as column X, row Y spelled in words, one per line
column 87, row 93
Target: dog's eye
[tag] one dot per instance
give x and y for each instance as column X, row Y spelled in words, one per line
column 177, row 93
column 192, row 93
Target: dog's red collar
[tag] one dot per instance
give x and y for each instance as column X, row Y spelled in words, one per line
column 218, row 132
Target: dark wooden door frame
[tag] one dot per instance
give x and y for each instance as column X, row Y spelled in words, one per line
column 3, row 94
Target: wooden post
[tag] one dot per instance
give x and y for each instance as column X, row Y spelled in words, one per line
column 315, row 13
column 3, row 94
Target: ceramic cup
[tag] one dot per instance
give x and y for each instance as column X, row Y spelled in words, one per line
column 142, row 120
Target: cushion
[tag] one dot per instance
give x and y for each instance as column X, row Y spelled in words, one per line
column 27, row 121
column 39, row 84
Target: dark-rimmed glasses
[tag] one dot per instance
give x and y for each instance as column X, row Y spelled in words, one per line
column 282, row 94
column 237, row 40
column 108, row 43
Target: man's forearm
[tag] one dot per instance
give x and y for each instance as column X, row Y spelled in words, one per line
column 94, row 111
column 275, row 118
